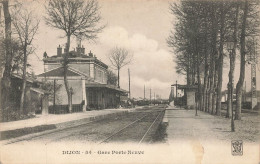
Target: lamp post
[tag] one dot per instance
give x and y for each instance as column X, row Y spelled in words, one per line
column 230, row 46
column 71, row 92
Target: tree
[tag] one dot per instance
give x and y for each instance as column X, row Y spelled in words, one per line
column 119, row 57
column 200, row 30
column 75, row 18
column 6, row 81
column 111, row 78
column 52, row 88
column 249, row 29
column 26, row 26
column 232, row 59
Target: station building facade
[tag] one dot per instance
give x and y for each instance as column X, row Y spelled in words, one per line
column 87, row 78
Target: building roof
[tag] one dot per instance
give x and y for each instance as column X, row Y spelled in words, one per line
column 59, row 72
column 28, row 78
column 180, row 86
column 73, row 57
column 98, row 85
column 40, row 91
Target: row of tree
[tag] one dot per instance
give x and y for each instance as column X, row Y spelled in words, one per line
column 205, row 35
column 20, row 27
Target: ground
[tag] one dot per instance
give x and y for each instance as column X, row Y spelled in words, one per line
column 207, row 139
column 202, row 139
column 183, row 124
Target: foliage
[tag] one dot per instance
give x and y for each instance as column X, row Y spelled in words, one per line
column 76, row 18
column 49, row 87
column 111, row 78
column 198, row 41
column 13, row 114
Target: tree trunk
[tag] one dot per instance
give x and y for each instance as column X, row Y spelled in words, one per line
column 24, row 78
column 229, row 101
column 242, row 63
column 204, row 106
column 66, row 60
column 205, row 88
column 211, row 88
column 232, row 57
column 220, row 60
column 198, row 76
column 188, row 71
column 214, row 95
column 118, row 77
column 6, row 81
column 214, row 64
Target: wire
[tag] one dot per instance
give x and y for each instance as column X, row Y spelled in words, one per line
column 38, row 57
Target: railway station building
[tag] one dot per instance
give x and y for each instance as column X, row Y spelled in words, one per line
column 87, row 79
column 188, row 100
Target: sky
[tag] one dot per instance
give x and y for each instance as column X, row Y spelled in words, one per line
column 141, row 26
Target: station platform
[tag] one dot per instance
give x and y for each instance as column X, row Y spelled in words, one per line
column 59, row 119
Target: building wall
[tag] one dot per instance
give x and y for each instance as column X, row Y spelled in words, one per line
column 100, row 74
column 92, row 70
column 191, row 99
column 61, row 97
column 82, row 67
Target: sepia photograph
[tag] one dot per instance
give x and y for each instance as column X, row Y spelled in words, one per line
column 129, row 81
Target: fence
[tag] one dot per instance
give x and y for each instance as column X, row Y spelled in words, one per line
column 62, row 109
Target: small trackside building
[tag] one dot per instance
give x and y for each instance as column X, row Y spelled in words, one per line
column 87, row 78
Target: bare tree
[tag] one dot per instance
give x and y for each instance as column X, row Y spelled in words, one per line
column 119, row 57
column 26, row 26
column 74, row 18
column 6, row 81
column 232, row 59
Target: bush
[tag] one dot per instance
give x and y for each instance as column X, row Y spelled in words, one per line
column 11, row 114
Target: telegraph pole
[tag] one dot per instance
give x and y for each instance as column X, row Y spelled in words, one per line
column 144, row 92
column 150, row 96
column 129, row 83
column 154, row 98
column 54, row 94
column 176, row 92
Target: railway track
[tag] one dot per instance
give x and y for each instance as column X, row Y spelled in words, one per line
column 152, row 118
column 133, row 119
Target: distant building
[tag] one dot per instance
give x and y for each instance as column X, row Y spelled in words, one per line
column 35, row 100
column 87, row 76
column 189, row 98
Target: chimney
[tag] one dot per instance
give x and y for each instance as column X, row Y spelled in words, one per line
column 83, row 50
column 59, row 51
column 64, row 50
column 90, row 54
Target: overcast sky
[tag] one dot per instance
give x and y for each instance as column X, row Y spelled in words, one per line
column 141, row 26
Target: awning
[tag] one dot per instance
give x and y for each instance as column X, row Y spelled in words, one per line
column 40, row 91
column 97, row 85
column 185, row 86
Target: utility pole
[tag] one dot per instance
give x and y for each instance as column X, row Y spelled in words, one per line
column 54, row 90
column 154, row 98
column 176, row 92
column 144, row 92
column 150, row 96
column 129, row 83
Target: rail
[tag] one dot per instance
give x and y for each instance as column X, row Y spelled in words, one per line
column 127, row 126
